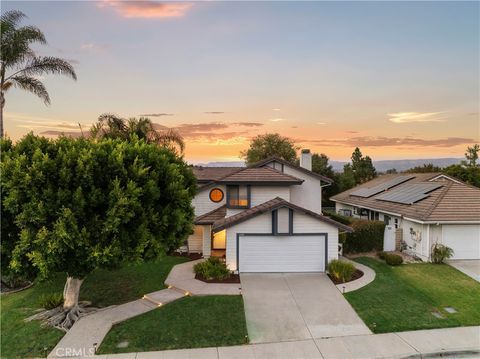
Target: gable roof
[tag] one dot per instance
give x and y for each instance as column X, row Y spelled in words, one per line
column 260, row 175
column 297, row 167
column 208, row 174
column 212, row 216
column 268, row 207
column 454, row 201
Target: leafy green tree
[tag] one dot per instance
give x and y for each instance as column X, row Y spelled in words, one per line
column 321, row 166
column 391, row 171
column 347, row 178
column 270, row 144
column 81, row 205
column 112, row 126
column 362, row 167
column 472, row 155
column 24, row 65
column 426, row 168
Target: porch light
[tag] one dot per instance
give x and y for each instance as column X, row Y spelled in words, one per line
column 169, row 287
column 187, row 293
column 159, row 304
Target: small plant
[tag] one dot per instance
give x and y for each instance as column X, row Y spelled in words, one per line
column 212, row 268
column 393, row 259
column 440, row 253
column 341, row 270
column 381, row 254
column 51, row 301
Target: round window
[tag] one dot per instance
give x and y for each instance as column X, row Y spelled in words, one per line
column 216, row 195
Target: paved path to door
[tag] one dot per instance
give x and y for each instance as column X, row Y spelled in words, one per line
column 454, row 342
column 294, row 306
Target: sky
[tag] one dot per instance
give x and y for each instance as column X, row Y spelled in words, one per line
column 398, row 79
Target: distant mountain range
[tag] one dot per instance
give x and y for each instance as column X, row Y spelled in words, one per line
column 381, row 166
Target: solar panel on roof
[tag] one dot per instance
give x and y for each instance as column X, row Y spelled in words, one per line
column 410, row 193
column 369, row 192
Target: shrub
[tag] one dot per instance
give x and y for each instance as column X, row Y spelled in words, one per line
column 50, row 301
column 393, row 259
column 367, row 236
column 440, row 253
column 339, row 218
column 341, row 270
column 212, row 268
column 381, row 254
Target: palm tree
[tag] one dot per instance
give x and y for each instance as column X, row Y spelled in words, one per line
column 112, row 126
column 22, row 62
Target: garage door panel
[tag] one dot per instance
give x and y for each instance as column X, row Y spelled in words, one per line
column 282, row 253
column 463, row 239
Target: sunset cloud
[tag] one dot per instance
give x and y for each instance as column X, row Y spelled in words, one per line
column 147, row 9
column 156, row 114
column 214, row 112
column 406, row 117
column 381, row 141
column 321, row 123
column 277, row 119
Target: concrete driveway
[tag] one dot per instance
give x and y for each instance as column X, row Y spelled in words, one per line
column 470, row 267
column 295, row 306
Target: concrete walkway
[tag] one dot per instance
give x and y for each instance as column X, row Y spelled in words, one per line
column 470, row 267
column 295, row 306
column 463, row 341
column 89, row 331
column 367, row 278
column 182, row 277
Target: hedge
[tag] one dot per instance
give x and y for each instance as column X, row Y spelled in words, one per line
column 339, row 218
column 367, row 236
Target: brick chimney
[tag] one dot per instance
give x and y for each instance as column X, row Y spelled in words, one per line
column 306, row 159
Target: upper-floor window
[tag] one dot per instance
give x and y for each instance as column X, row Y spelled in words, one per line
column 238, row 196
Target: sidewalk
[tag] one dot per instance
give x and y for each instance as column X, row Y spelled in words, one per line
column 414, row 344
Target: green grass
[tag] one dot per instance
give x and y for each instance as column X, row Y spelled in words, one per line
column 190, row 322
column 404, row 297
column 22, row 340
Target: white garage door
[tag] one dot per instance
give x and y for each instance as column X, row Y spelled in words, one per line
column 282, row 253
column 463, row 239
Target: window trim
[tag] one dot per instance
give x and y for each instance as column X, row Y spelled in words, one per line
column 275, row 231
column 216, row 189
column 238, row 187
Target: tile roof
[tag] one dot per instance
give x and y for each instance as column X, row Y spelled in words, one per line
column 297, row 167
column 455, row 201
column 207, row 174
column 212, row 216
column 260, row 175
column 268, row 207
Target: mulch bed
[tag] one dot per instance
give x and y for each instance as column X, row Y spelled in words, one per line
column 357, row 274
column 191, row 256
column 234, row 278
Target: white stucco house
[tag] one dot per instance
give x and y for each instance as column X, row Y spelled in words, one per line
column 422, row 208
column 264, row 218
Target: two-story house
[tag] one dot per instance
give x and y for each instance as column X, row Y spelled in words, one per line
column 264, row 218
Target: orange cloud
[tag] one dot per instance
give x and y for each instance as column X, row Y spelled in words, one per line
column 147, row 9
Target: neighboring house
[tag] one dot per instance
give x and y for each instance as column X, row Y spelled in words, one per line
column 264, row 218
column 423, row 208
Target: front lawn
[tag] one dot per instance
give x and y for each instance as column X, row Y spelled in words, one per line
column 102, row 288
column 190, row 322
column 404, row 297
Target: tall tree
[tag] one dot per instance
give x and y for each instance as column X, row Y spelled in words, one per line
column 270, row 144
column 472, row 155
column 347, row 178
column 426, row 168
column 81, row 205
column 112, row 126
column 24, row 66
column 362, row 167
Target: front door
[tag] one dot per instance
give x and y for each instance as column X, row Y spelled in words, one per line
column 219, row 240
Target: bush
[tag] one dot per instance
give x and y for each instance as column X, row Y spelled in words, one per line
column 440, row 253
column 381, row 255
column 367, row 236
column 212, row 268
column 339, row 218
column 393, row 259
column 50, row 301
column 341, row 270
